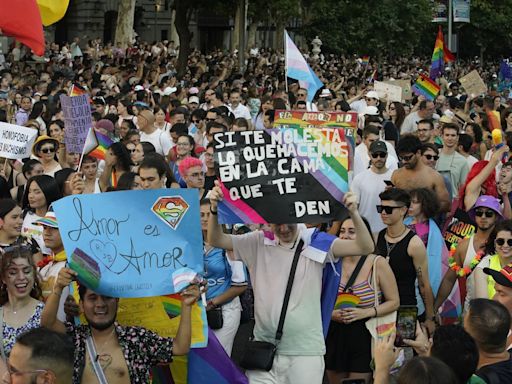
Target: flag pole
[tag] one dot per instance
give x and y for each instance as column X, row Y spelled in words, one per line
column 83, row 151
column 285, row 62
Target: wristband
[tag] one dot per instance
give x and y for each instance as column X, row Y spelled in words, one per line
column 375, row 309
column 212, row 211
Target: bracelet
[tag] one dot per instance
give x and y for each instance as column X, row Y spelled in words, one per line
column 375, row 309
column 212, row 211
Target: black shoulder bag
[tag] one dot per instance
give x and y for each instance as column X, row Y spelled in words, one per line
column 260, row 354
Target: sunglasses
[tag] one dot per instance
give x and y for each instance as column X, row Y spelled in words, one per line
column 301, row 94
column 196, row 121
column 388, row 209
column 379, row 154
column 486, row 213
column 48, row 150
column 430, row 157
column 210, row 120
column 406, row 158
column 501, row 242
column 131, row 150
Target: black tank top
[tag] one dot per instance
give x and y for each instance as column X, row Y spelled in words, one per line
column 401, row 264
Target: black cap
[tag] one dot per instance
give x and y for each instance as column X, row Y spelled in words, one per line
column 378, row 146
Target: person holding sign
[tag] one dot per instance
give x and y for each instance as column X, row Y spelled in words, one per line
column 268, row 256
column 106, row 352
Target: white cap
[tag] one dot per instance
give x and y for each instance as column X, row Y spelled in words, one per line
column 372, row 95
column 371, row 111
column 138, row 88
column 325, row 93
column 169, row 90
column 193, row 99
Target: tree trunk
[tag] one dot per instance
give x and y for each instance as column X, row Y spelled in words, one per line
column 182, row 19
column 125, row 18
column 235, row 41
column 279, row 37
column 174, row 33
column 251, row 34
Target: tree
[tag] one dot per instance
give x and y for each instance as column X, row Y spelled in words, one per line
column 125, row 19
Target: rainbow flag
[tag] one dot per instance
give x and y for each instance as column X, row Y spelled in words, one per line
column 426, row 86
column 97, row 144
column 494, row 120
column 77, row 90
column 346, row 300
column 440, row 56
column 365, row 60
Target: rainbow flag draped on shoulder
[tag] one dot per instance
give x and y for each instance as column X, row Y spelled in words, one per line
column 440, row 56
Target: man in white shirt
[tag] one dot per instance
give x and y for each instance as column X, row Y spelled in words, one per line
column 371, row 99
column 302, row 95
column 370, row 183
column 239, row 110
column 149, row 133
column 362, row 157
column 426, row 111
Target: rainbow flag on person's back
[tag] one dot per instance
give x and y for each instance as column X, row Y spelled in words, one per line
column 426, row 87
column 440, row 56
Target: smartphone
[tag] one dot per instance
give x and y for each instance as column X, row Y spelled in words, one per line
column 406, row 324
column 389, row 183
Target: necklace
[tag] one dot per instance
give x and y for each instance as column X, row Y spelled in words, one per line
column 463, row 271
column 396, row 237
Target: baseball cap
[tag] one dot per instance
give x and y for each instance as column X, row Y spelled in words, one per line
column 486, row 201
column 105, row 124
column 378, row 146
column 49, row 220
column 372, row 95
column 3, row 96
column 503, row 276
column 193, row 91
column 193, row 99
column 371, row 111
column 169, row 90
column 138, row 88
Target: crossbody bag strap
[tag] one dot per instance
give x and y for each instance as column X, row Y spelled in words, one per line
column 355, row 273
column 298, row 250
column 93, row 355
column 374, row 281
column 2, row 352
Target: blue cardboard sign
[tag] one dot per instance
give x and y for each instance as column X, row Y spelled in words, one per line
column 129, row 243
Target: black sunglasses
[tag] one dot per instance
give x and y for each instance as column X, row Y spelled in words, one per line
column 406, row 158
column 482, row 212
column 196, row 121
column 47, row 150
column 430, row 157
column 210, row 120
column 382, row 155
column 501, row 242
column 387, row 208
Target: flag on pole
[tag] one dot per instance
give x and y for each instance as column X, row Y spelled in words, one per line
column 97, row 144
column 440, row 56
column 426, row 87
column 52, row 10
column 297, row 68
column 365, row 60
column 21, row 20
column 77, row 90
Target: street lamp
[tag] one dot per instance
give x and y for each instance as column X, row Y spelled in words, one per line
column 158, row 6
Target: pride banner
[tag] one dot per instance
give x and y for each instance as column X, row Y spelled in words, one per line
column 296, row 172
column 128, row 244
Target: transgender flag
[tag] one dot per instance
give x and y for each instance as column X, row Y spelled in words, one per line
column 297, row 68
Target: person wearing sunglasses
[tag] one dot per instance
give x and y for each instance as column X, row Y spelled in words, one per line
column 45, row 149
column 362, row 154
column 302, row 95
column 369, row 183
column 40, row 355
column 498, row 257
column 415, row 174
column 485, row 214
column 405, row 252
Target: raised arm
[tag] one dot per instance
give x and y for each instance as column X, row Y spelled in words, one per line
column 363, row 244
column 181, row 343
column 49, row 315
column 216, row 236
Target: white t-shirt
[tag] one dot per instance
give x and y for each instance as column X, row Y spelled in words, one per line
column 367, row 185
column 161, row 140
column 471, row 161
column 269, row 267
column 241, row 111
column 362, row 158
column 32, row 231
column 410, row 123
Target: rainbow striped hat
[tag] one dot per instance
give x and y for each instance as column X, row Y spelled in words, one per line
column 49, row 220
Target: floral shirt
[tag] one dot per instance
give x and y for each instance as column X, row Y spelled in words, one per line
column 142, row 349
column 10, row 333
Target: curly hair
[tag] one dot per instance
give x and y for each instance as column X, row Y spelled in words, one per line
column 428, row 200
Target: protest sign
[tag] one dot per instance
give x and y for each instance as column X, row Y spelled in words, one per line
column 387, row 91
column 77, row 121
column 128, row 244
column 16, row 141
column 473, row 83
column 296, row 172
column 406, row 88
column 459, row 227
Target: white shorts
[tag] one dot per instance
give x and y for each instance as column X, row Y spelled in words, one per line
column 291, row 370
column 231, row 313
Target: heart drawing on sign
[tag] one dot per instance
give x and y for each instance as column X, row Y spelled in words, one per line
column 104, row 252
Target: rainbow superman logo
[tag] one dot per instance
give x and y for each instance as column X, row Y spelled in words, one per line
column 170, row 209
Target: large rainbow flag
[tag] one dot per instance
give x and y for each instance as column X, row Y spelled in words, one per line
column 426, row 87
column 440, row 56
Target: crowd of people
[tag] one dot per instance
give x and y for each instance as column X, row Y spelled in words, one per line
column 420, row 167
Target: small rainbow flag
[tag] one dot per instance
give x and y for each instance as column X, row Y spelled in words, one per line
column 183, row 277
column 386, row 329
column 102, row 144
column 77, row 90
column 494, row 120
column 365, row 60
column 426, row 86
column 346, row 300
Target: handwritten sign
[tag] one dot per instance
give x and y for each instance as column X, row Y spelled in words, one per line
column 77, row 121
column 296, row 172
column 128, row 244
column 473, row 83
column 405, row 85
column 388, row 91
column 16, row 141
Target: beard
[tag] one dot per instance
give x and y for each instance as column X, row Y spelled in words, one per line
column 101, row 326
